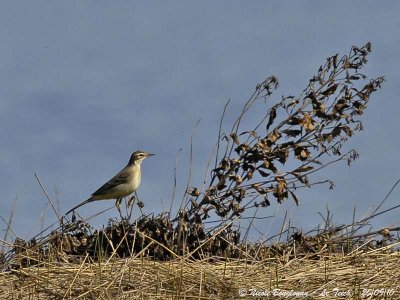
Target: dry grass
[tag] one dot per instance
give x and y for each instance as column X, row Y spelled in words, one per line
column 376, row 270
column 157, row 257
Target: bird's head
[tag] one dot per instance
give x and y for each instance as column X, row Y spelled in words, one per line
column 138, row 156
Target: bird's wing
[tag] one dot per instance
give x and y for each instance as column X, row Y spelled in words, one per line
column 120, row 178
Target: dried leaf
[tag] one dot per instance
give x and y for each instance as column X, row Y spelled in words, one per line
column 295, row 198
column 294, row 121
column 280, row 190
column 346, row 63
column 282, row 154
column 274, row 136
column 335, row 60
column 359, row 107
column 292, row 132
column 335, row 132
column 237, row 209
column 263, row 145
column 265, row 164
column 272, row 116
column 301, row 178
column 293, row 102
column 340, row 105
column 316, row 162
column 301, row 153
column 238, row 179
column 262, row 173
column 193, row 191
column 259, row 190
column 303, row 169
column 307, row 122
column 266, row 202
column 241, row 147
column 253, row 133
column 221, row 184
column 347, row 130
column 224, row 164
column 249, row 174
column 330, row 90
column 331, row 185
column 235, row 138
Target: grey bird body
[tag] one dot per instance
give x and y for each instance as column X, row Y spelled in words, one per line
column 121, row 185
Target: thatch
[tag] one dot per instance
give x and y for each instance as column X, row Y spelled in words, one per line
column 309, row 277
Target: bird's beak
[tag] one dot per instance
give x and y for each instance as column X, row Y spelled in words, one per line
column 150, row 154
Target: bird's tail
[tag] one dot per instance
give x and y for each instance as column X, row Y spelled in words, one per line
column 79, row 205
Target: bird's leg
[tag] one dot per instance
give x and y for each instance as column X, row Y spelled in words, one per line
column 118, row 206
column 136, row 196
column 132, row 200
column 118, row 203
column 129, row 206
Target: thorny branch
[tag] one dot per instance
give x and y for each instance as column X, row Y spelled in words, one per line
column 296, row 137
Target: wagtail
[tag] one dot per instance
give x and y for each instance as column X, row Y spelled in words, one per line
column 121, row 185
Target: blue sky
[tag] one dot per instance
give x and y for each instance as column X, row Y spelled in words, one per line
column 85, row 83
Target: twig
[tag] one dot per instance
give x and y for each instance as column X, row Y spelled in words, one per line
column 47, row 196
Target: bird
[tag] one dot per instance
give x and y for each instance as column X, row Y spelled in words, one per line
column 124, row 183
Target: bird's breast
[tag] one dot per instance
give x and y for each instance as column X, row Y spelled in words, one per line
column 135, row 178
